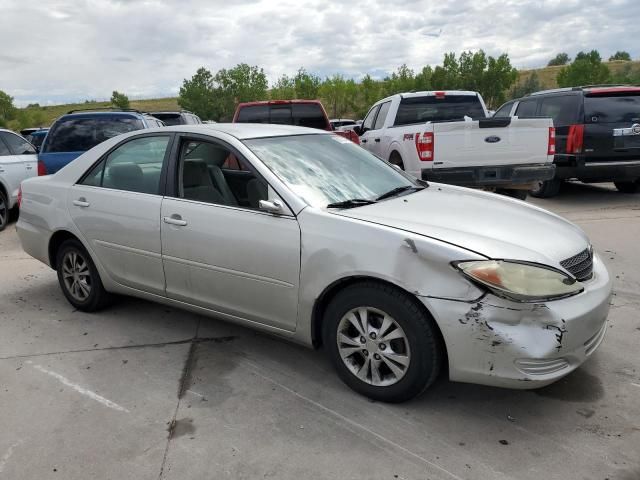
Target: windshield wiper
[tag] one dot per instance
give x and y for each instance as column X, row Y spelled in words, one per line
column 351, row 203
column 398, row 190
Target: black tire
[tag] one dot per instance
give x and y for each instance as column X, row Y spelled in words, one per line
column 520, row 194
column 396, row 159
column 97, row 297
column 421, row 333
column 4, row 211
column 628, row 187
column 547, row 189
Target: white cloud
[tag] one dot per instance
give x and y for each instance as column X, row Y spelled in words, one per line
column 72, row 50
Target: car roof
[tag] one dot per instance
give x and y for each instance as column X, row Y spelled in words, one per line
column 90, row 113
column 276, row 102
column 244, row 131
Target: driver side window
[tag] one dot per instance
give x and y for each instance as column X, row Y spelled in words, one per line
column 209, row 172
column 367, row 124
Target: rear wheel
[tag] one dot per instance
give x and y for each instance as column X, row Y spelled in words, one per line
column 381, row 343
column 546, row 189
column 396, row 159
column 4, row 211
column 79, row 278
column 628, row 187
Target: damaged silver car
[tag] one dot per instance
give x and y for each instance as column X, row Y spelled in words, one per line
column 305, row 235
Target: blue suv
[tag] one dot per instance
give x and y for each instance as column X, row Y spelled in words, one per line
column 80, row 130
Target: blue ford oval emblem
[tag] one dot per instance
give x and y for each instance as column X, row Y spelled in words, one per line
column 492, row 139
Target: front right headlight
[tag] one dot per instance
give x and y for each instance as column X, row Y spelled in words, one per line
column 520, row 281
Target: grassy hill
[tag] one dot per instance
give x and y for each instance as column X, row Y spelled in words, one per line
column 47, row 114
column 548, row 75
column 44, row 116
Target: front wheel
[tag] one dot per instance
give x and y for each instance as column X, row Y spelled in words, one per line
column 628, row 187
column 79, row 278
column 546, row 189
column 4, row 211
column 381, row 343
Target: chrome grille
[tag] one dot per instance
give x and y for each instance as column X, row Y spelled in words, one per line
column 580, row 265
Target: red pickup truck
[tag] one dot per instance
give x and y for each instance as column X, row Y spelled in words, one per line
column 304, row 113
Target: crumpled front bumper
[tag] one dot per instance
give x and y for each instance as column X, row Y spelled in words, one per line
column 493, row 341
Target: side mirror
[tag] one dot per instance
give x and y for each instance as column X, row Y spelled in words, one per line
column 358, row 129
column 271, row 206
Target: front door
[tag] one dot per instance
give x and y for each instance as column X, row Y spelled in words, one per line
column 116, row 207
column 220, row 251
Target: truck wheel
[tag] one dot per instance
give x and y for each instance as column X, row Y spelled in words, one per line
column 546, row 189
column 381, row 343
column 518, row 193
column 628, row 187
column 396, row 159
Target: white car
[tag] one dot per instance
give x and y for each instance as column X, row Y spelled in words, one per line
column 18, row 160
column 303, row 234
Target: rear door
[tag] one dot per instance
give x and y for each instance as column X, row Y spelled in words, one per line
column 116, row 207
column 609, row 120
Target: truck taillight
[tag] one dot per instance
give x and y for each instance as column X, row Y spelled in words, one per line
column 42, row 169
column 425, row 146
column 19, row 196
column 575, row 139
column 551, row 149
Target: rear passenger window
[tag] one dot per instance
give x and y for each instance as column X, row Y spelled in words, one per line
column 563, row 109
column 254, row 114
column 133, row 167
column 18, row 145
column 309, row 115
column 527, row 108
column 4, row 150
column 382, row 115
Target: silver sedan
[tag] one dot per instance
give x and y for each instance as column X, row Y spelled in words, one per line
column 305, row 235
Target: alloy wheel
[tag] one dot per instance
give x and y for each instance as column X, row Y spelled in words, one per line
column 76, row 276
column 373, row 346
column 4, row 213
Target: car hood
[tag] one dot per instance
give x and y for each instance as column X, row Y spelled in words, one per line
column 486, row 223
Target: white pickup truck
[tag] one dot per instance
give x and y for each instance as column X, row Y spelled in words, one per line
column 448, row 137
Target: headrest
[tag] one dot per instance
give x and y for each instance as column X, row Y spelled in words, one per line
column 125, row 172
column 194, row 174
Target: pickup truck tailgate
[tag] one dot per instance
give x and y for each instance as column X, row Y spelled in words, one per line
column 491, row 142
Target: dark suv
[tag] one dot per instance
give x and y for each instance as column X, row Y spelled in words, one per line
column 177, row 118
column 597, row 133
column 80, row 130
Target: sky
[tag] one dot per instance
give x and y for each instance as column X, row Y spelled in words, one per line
column 58, row 51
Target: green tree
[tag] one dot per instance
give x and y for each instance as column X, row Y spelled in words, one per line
column 369, row 92
column 283, row 89
column 7, row 110
column 242, row 83
column 423, row 79
column 446, row 76
column 402, row 80
column 119, row 100
column 198, row 95
column 497, row 78
column 307, row 85
column 339, row 95
column 558, row 60
column 586, row 69
column 620, row 55
column 531, row 84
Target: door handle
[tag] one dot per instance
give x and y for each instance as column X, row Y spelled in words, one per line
column 364, row 140
column 376, row 140
column 81, row 202
column 29, row 167
column 176, row 220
